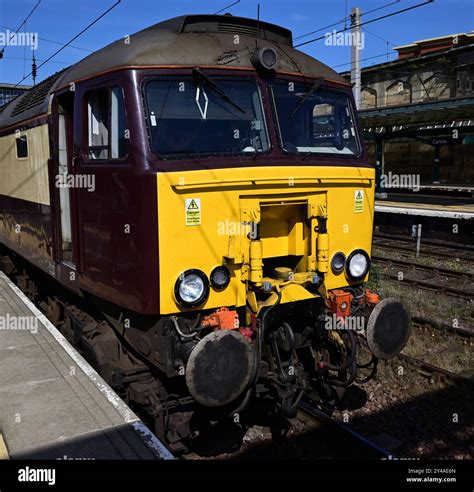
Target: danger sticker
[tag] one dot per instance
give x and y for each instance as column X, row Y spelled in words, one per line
column 193, row 211
column 358, row 201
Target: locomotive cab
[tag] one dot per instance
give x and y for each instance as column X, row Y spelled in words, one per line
column 264, row 232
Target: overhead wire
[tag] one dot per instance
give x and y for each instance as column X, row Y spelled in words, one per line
column 426, row 2
column 363, row 59
column 228, row 7
column 345, row 19
column 53, row 41
column 19, row 27
column 73, row 39
column 38, row 59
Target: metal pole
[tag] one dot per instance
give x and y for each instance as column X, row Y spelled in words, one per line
column 355, row 54
column 380, row 192
column 436, row 169
column 418, row 240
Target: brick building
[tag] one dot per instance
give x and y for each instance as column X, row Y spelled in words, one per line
column 411, row 106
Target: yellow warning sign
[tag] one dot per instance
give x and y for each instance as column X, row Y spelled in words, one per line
column 193, row 211
column 358, row 201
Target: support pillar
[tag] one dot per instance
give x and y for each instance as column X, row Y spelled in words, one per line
column 380, row 192
column 355, row 54
column 437, row 164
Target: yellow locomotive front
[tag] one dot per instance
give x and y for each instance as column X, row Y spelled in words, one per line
column 265, row 230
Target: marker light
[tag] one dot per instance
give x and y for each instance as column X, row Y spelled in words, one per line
column 338, row 263
column 220, row 277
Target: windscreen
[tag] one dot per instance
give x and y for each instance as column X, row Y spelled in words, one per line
column 200, row 115
column 313, row 121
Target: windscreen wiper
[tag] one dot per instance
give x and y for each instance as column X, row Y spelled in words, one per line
column 197, row 73
column 316, row 87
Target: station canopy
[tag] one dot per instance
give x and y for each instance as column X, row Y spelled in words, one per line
column 418, row 119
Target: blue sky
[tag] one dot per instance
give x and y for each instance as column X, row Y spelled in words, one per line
column 60, row 20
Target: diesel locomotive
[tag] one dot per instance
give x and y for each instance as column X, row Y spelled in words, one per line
column 193, row 207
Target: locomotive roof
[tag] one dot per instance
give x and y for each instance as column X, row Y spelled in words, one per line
column 191, row 40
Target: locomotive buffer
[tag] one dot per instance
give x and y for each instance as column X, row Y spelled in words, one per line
column 53, row 405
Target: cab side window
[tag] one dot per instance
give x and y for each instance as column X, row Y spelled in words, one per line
column 21, row 146
column 107, row 135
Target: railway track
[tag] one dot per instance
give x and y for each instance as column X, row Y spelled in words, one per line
column 431, row 248
column 462, row 332
column 433, row 278
column 318, row 436
column 435, row 373
column 360, row 446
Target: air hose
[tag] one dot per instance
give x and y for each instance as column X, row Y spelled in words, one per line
column 350, row 359
column 260, row 341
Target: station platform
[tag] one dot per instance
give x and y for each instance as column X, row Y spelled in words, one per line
column 427, row 206
column 443, row 189
column 53, row 404
column 447, row 187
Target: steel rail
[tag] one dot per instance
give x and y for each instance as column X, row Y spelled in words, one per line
column 310, row 408
column 427, row 369
column 441, row 276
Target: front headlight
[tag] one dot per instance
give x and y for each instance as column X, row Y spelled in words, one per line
column 191, row 288
column 358, row 264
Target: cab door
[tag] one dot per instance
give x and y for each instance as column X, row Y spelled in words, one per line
column 63, row 189
column 108, row 210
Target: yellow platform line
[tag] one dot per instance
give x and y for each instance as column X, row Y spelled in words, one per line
column 3, row 449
